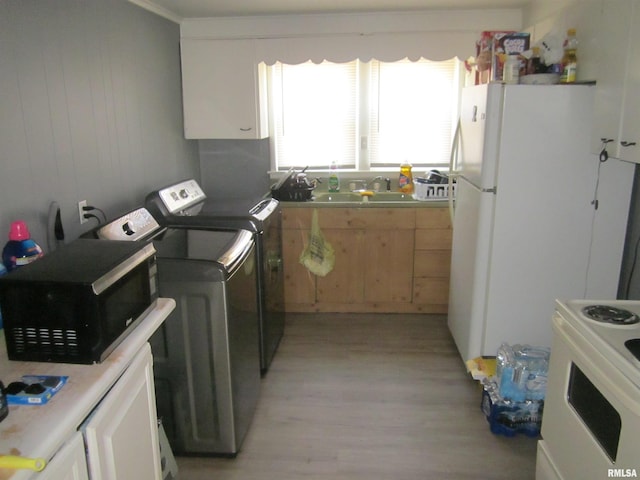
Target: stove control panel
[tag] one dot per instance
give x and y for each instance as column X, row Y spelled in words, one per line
column 181, row 196
column 132, row 226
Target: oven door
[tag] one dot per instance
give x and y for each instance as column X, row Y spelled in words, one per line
column 592, row 411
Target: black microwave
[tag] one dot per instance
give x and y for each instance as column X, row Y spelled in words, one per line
column 76, row 304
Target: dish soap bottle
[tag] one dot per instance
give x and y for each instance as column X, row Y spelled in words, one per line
column 405, row 181
column 20, row 250
column 334, row 181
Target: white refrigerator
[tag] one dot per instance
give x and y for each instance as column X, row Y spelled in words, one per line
column 526, row 229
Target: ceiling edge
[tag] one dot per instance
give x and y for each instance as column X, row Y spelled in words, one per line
column 158, row 10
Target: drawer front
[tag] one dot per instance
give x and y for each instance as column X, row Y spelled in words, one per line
column 434, row 239
column 431, row 290
column 367, row 218
column 433, row 218
column 432, row 263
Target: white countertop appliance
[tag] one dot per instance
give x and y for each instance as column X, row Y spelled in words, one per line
column 592, row 409
column 537, row 216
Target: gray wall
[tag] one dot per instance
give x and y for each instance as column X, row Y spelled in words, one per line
column 235, row 168
column 90, row 109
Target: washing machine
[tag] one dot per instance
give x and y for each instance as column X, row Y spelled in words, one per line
column 185, row 204
column 206, row 354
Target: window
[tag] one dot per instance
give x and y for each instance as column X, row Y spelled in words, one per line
column 363, row 116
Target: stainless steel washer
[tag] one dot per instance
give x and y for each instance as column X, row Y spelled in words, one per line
column 206, row 355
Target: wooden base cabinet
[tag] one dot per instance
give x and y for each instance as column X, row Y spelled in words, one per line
column 432, row 259
column 376, row 267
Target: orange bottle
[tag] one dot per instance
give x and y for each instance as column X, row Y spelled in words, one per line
column 405, row 181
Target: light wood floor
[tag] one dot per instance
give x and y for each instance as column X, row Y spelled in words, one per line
column 359, row 396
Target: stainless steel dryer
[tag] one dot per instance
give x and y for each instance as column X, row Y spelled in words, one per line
column 206, row 355
column 185, row 204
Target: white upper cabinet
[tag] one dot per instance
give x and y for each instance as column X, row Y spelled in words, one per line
column 629, row 146
column 617, row 105
column 223, row 90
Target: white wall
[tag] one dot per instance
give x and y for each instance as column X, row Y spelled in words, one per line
column 554, row 17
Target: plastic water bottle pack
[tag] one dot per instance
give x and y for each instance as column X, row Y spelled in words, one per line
column 521, row 371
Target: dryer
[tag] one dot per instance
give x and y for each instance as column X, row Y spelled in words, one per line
column 185, row 205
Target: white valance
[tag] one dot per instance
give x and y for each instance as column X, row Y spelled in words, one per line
column 384, row 47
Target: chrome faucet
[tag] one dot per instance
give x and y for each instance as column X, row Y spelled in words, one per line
column 387, row 180
column 357, row 185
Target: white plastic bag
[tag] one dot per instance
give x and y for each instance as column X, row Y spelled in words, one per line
column 318, row 257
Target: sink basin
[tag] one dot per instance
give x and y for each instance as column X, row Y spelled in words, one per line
column 338, row 197
column 391, row 197
column 356, row 197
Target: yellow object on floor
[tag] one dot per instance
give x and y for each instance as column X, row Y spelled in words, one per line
column 481, row 367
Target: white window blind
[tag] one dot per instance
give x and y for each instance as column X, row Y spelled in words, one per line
column 364, row 116
column 412, row 114
column 315, row 114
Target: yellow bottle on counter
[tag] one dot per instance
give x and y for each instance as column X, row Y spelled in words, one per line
column 405, row 181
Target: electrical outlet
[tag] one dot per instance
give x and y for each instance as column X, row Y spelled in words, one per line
column 81, row 212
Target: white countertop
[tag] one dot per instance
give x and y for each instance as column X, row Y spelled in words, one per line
column 38, row 431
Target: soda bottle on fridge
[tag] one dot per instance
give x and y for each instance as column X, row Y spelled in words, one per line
column 570, row 58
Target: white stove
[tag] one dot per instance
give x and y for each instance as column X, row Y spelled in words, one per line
column 591, row 415
column 613, row 334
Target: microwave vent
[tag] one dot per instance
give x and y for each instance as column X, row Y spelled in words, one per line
column 52, row 342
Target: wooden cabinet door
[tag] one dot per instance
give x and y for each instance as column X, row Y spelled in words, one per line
column 122, row 433
column 388, row 266
column 299, row 283
column 345, row 283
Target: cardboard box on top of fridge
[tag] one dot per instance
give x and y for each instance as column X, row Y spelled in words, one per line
column 492, row 49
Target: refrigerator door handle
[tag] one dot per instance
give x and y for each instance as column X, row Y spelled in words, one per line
column 452, row 169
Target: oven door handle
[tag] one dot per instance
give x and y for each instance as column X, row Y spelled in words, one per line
column 583, row 351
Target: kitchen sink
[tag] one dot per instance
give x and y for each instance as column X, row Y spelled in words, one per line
column 337, row 197
column 391, row 197
column 357, row 197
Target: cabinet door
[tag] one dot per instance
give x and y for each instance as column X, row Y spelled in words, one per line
column 388, row 266
column 345, row 283
column 299, row 283
column 122, row 433
column 220, row 90
column 69, row 463
column 612, row 45
column 629, row 145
